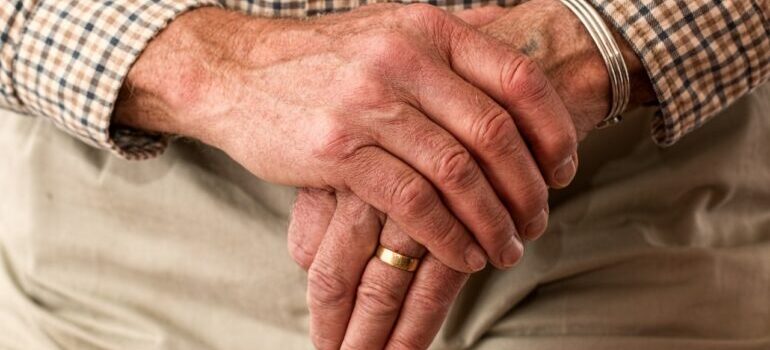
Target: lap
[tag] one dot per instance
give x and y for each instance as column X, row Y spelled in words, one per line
column 650, row 248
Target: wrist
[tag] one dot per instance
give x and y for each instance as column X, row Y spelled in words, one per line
column 180, row 78
column 553, row 36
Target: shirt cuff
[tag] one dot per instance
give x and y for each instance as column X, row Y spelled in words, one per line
column 700, row 55
column 73, row 57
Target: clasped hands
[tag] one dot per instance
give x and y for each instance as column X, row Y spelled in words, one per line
column 519, row 140
column 432, row 134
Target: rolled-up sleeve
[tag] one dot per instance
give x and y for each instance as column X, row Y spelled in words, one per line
column 66, row 60
column 700, row 55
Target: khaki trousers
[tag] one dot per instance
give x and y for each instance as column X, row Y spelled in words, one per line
column 649, row 249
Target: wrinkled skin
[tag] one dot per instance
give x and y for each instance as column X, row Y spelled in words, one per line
column 394, row 309
column 406, row 107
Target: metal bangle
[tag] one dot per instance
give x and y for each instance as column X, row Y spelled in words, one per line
column 613, row 58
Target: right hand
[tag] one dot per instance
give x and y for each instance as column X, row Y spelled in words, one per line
column 406, row 106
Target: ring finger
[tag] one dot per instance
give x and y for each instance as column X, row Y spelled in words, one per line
column 381, row 293
column 336, row 269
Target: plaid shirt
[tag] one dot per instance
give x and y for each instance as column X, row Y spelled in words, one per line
column 66, row 59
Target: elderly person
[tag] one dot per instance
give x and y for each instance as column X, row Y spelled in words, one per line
column 424, row 143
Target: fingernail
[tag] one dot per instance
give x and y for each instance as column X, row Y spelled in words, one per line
column 575, row 159
column 475, row 258
column 536, row 227
column 512, row 252
column 565, row 172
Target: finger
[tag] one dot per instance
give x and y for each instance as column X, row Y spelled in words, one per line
column 409, row 199
column 380, row 294
column 445, row 162
column 334, row 274
column 431, row 294
column 516, row 81
column 480, row 16
column 310, row 216
column 489, row 132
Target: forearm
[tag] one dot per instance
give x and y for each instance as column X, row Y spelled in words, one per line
column 316, row 103
column 179, row 78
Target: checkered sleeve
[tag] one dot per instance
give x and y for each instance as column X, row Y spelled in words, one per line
column 700, row 55
column 66, row 60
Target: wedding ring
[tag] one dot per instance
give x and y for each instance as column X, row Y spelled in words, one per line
column 399, row 261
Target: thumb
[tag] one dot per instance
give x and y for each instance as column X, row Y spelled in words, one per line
column 478, row 17
column 310, row 217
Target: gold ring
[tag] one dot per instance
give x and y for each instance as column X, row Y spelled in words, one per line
column 399, row 261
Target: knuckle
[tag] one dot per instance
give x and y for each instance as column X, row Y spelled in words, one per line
column 495, row 130
column 498, row 226
column 534, row 199
column 326, row 287
column 308, row 198
column 456, row 169
column 338, row 144
column 435, row 23
column 447, row 239
column 377, row 299
column 302, row 257
column 412, row 195
column 404, row 343
column 518, row 148
column 423, row 12
column 352, row 210
column 388, row 41
column 560, row 143
column 538, row 194
column 391, row 50
column 367, row 89
column 434, row 300
column 322, row 342
column 566, row 138
column 397, row 116
column 523, row 78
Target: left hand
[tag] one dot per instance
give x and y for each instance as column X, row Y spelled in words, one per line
column 550, row 34
column 354, row 298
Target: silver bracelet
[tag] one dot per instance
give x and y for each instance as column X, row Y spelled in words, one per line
column 613, row 58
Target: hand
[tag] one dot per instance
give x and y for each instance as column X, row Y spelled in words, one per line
column 313, row 210
column 394, row 103
column 552, row 36
column 354, row 299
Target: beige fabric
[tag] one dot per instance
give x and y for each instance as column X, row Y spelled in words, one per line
column 651, row 248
